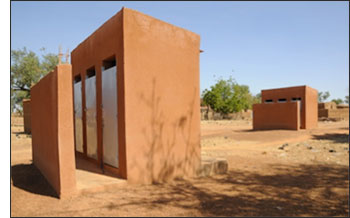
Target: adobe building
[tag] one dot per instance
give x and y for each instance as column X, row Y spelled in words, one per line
column 286, row 108
column 26, row 116
column 136, row 115
column 332, row 111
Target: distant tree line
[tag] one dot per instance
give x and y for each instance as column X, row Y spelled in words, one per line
column 323, row 96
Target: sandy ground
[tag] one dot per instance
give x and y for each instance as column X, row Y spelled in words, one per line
column 271, row 173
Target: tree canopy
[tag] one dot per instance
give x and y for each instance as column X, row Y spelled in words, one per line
column 26, row 70
column 323, row 96
column 227, row 96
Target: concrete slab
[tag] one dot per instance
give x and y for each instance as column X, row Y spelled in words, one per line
column 90, row 178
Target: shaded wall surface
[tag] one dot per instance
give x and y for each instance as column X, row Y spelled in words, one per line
column 105, row 43
column 276, row 116
column 27, row 116
column 162, row 78
column 52, row 129
column 308, row 99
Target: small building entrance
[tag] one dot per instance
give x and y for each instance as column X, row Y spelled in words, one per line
column 109, row 157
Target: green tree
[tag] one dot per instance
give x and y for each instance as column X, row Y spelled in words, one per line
column 338, row 101
column 322, row 96
column 257, row 98
column 49, row 62
column 27, row 70
column 227, row 96
column 242, row 98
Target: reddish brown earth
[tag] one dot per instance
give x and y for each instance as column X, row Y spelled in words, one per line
column 302, row 179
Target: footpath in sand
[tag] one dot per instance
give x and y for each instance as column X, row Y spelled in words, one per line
column 271, row 173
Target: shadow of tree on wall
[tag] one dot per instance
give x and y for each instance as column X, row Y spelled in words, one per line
column 335, row 137
column 29, row 178
column 304, row 190
column 162, row 159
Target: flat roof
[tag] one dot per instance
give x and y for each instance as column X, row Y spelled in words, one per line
column 290, row 87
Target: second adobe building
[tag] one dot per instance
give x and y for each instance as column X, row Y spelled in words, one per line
column 286, row 108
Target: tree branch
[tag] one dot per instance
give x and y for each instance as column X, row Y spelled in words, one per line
column 20, row 89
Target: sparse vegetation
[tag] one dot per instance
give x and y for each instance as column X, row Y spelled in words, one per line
column 26, row 70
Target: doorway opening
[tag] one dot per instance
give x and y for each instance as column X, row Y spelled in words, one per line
column 110, row 149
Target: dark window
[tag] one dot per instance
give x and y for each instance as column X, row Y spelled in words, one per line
column 108, row 63
column 90, row 72
column 296, row 99
column 77, row 78
column 268, row 101
column 282, row 100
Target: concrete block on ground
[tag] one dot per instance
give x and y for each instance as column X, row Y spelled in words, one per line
column 212, row 166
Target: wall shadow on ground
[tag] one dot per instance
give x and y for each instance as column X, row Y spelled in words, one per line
column 303, row 190
column 335, row 137
column 29, row 178
column 22, row 133
column 263, row 130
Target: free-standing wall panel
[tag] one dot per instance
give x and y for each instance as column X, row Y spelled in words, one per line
column 52, row 129
column 276, row 116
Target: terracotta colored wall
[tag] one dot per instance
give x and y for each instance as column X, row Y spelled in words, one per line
column 311, row 109
column 276, row 116
column 162, row 79
column 308, row 115
column 52, row 129
column 26, row 116
column 105, row 42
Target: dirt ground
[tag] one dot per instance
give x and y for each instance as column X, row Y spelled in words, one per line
column 271, row 173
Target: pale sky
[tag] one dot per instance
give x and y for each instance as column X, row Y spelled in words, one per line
column 261, row 44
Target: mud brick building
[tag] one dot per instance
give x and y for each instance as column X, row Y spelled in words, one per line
column 131, row 109
column 286, row 108
column 330, row 110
